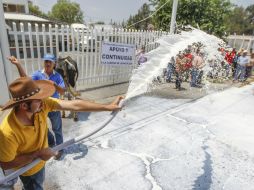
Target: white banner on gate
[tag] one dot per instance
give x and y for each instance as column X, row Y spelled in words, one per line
column 117, row 54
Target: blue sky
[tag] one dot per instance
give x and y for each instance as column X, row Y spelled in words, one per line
column 105, row 10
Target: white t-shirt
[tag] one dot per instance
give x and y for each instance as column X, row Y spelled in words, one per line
column 243, row 61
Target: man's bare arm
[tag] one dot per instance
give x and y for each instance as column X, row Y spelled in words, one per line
column 83, row 105
column 15, row 62
column 24, row 159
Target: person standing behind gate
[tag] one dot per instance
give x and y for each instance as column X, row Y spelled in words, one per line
column 179, row 69
column 197, row 65
column 242, row 61
column 48, row 73
column 141, row 58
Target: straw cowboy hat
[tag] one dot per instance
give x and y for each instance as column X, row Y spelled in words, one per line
column 24, row 89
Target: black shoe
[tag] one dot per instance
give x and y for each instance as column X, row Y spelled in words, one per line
column 198, row 86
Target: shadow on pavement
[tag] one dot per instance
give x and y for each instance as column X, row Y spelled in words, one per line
column 75, row 149
column 204, row 181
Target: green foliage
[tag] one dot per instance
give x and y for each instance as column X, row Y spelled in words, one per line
column 35, row 10
column 235, row 20
column 143, row 13
column 240, row 20
column 250, row 20
column 207, row 15
column 67, row 11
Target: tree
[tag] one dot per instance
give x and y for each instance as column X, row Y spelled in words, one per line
column 208, row 15
column 143, row 13
column 240, row 20
column 250, row 19
column 236, row 20
column 34, row 9
column 67, row 11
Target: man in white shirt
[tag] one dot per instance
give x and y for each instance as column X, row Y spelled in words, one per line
column 242, row 61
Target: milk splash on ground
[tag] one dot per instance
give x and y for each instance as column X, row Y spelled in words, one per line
column 158, row 58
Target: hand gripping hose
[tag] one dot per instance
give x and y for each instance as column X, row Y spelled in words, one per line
column 57, row 148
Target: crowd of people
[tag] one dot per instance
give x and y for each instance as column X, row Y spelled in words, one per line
column 186, row 66
column 192, row 65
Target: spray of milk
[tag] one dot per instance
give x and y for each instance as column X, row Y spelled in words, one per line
column 158, row 58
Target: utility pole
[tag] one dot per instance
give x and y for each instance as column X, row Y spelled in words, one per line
column 5, row 66
column 252, row 22
column 173, row 17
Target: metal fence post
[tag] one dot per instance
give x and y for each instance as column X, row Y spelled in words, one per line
column 5, row 66
column 173, row 17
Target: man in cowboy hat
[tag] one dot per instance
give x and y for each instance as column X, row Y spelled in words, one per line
column 48, row 73
column 23, row 132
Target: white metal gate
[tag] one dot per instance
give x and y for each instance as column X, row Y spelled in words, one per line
column 241, row 41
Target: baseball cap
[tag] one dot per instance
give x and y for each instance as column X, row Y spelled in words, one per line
column 49, row 57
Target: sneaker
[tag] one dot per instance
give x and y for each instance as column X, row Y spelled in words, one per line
column 58, row 155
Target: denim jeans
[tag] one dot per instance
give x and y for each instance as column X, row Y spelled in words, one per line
column 194, row 75
column 227, row 68
column 240, row 70
column 248, row 71
column 170, row 72
column 56, row 122
column 199, row 77
column 33, row 182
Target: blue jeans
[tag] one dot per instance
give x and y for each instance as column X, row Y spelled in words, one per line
column 199, row 77
column 194, row 75
column 56, row 122
column 170, row 72
column 227, row 68
column 33, row 182
column 240, row 71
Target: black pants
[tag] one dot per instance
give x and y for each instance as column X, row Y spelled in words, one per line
column 178, row 81
column 234, row 64
column 248, row 71
column 199, row 78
